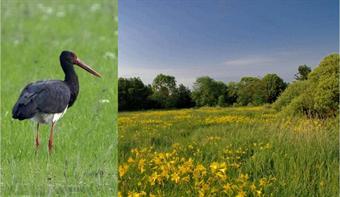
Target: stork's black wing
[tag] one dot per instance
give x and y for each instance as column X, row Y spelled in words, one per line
column 43, row 96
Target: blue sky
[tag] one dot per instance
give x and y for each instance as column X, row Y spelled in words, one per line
column 225, row 40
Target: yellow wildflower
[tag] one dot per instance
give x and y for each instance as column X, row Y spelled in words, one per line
column 175, row 178
column 123, row 169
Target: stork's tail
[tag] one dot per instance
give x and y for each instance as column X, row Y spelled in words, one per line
column 21, row 111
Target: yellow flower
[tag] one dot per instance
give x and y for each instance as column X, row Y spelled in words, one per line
column 130, row 160
column 252, row 187
column 241, row 194
column 227, row 187
column 123, row 169
column 244, row 177
column 263, row 182
column 153, row 178
column 213, row 166
column 258, row 192
column 175, row 178
column 141, row 164
column 199, row 171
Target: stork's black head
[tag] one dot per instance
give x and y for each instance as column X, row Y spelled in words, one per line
column 68, row 59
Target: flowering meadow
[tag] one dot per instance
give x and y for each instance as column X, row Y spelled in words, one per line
column 241, row 151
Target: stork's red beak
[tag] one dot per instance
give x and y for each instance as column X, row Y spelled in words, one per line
column 86, row 67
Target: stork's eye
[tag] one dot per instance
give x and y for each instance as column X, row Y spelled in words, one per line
column 73, row 57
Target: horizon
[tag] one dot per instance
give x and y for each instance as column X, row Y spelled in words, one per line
column 236, row 39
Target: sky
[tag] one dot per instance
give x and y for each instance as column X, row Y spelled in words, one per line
column 224, row 39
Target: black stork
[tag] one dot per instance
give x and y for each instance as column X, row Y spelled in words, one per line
column 45, row 102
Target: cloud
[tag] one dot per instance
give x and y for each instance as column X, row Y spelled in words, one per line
column 244, row 61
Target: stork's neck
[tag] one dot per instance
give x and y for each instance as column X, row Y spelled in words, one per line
column 71, row 79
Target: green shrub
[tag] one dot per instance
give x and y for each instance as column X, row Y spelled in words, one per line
column 293, row 90
column 318, row 96
column 325, row 82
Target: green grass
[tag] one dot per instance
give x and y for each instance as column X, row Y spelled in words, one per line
column 299, row 155
column 84, row 160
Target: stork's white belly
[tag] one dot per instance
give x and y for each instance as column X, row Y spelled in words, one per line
column 46, row 118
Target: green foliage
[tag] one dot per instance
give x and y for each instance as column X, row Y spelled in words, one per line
column 320, row 94
column 274, row 85
column 221, row 101
column 232, row 92
column 132, row 94
column 303, row 72
column 164, row 87
column 164, row 84
column 251, row 91
column 206, row 91
column 183, row 97
column 292, row 91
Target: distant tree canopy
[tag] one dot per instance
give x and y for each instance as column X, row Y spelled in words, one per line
column 251, row 91
column 133, row 94
column 303, row 72
column 314, row 93
column 232, row 92
column 206, row 92
column 273, row 85
column 183, row 97
column 164, row 90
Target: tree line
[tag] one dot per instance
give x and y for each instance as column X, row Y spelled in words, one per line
column 164, row 93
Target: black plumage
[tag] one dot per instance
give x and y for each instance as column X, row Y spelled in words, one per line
column 49, row 97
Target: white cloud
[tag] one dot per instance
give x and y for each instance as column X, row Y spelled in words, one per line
column 244, row 61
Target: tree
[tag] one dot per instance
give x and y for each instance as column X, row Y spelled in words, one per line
column 164, row 84
column 164, row 87
column 206, row 91
column 303, row 72
column 221, row 101
column 132, row 94
column 232, row 92
column 251, row 91
column 274, row 85
column 183, row 97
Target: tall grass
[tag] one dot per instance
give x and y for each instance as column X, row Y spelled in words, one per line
column 300, row 156
column 85, row 155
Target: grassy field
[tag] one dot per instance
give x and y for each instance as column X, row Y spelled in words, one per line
column 84, row 160
column 245, row 151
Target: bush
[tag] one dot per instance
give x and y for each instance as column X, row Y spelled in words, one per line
column 293, row 90
column 325, row 79
column 319, row 96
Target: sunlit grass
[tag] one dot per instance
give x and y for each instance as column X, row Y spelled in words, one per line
column 84, row 158
column 244, row 151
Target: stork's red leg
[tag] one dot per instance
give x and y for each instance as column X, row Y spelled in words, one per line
column 37, row 141
column 50, row 141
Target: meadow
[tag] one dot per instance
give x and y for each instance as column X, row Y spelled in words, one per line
column 84, row 159
column 236, row 151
